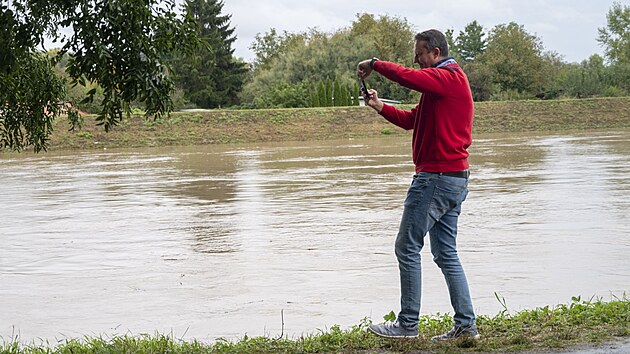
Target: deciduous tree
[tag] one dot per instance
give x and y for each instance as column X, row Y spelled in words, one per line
column 513, row 59
column 313, row 55
column 118, row 45
column 615, row 37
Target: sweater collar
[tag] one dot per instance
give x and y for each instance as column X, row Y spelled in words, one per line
column 444, row 62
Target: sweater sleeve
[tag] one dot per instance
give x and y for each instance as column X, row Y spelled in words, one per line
column 427, row 80
column 399, row 117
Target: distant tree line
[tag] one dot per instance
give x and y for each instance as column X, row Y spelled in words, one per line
column 504, row 63
column 315, row 69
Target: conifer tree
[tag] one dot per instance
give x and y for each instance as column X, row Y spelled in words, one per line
column 329, row 93
column 345, row 93
column 315, row 98
column 215, row 77
column 337, row 94
column 321, row 93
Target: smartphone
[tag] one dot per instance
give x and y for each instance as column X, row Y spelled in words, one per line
column 364, row 90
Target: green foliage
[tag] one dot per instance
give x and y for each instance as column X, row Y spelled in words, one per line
column 118, row 59
column 337, row 96
column 270, row 45
column 77, row 91
column 513, row 60
column 120, row 45
column 85, row 135
column 117, row 45
column 615, row 37
column 213, row 77
column 313, row 56
column 266, row 46
column 345, row 93
column 583, row 80
column 614, row 91
column 389, row 38
column 284, row 95
column 591, row 78
column 467, row 47
column 321, row 94
column 511, row 64
column 314, row 96
column 469, row 44
column 341, row 94
column 328, row 92
column 392, row 37
column 452, row 43
column 390, row 317
column 552, row 65
column 507, row 63
column 480, row 78
column 180, row 100
column 619, row 75
column 580, row 321
column 31, row 97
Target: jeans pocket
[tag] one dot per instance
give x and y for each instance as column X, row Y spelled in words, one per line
column 448, row 195
column 417, row 191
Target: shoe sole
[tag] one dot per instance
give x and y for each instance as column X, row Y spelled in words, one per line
column 391, row 337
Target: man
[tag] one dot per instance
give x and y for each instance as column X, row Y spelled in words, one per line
column 442, row 132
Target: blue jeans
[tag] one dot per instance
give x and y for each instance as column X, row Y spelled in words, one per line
column 433, row 205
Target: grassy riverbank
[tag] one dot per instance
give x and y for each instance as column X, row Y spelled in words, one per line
column 580, row 322
column 241, row 126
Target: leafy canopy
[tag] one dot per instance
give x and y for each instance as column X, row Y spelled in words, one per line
column 118, row 45
column 297, row 62
column 514, row 58
column 615, row 37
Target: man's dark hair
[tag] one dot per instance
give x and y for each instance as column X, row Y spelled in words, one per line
column 434, row 39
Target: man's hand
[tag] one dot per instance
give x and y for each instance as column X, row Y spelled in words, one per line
column 374, row 102
column 363, row 69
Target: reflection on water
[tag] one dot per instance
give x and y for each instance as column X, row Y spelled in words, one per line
column 217, row 240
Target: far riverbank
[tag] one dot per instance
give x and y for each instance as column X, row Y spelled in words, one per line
column 303, row 124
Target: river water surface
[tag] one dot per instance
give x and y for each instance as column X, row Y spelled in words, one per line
column 222, row 241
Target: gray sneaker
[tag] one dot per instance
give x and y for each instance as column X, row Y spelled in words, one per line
column 393, row 330
column 459, row 332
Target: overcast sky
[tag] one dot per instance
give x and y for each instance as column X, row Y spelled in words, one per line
column 568, row 27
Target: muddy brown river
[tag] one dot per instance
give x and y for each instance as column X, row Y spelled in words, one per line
column 221, row 241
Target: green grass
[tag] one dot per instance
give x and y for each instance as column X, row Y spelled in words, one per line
column 221, row 126
column 590, row 322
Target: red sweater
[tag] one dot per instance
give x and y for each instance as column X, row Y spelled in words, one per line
column 441, row 122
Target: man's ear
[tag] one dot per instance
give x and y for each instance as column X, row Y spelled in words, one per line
column 436, row 52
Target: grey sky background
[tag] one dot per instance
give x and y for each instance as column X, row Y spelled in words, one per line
column 568, row 27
